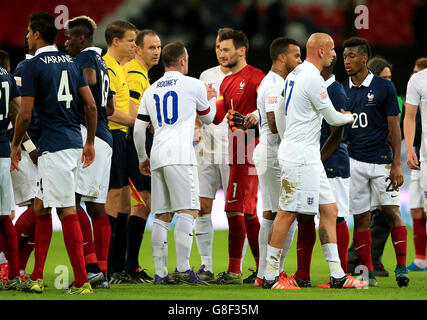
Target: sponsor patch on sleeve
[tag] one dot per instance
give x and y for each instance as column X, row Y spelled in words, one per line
column 324, row 95
column 272, row 99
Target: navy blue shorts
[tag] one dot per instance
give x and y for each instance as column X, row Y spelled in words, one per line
column 140, row 181
column 119, row 167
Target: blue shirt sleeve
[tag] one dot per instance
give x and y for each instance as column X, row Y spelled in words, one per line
column 29, row 79
column 391, row 103
column 337, row 95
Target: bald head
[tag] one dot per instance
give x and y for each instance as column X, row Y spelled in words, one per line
column 320, row 50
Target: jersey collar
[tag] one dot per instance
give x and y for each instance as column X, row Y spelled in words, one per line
column 173, row 73
column 366, row 83
column 28, row 56
column 46, row 49
column 96, row 49
column 330, row 80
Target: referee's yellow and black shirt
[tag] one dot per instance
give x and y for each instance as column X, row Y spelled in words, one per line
column 119, row 87
column 137, row 79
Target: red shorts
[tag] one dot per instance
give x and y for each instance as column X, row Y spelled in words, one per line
column 242, row 190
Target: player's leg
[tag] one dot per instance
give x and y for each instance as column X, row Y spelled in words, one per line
column 380, row 232
column 264, row 231
column 418, row 214
column 25, row 227
column 305, row 244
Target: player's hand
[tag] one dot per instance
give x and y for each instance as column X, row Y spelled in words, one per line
column 88, row 155
column 347, row 112
column 236, row 120
column 251, row 120
column 144, row 167
column 412, row 159
column 396, row 176
column 15, row 157
column 211, row 92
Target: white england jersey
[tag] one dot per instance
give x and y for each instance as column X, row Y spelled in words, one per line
column 171, row 103
column 214, row 138
column 305, row 95
column 416, row 95
column 269, row 98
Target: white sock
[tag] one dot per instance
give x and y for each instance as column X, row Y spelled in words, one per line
column 420, row 263
column 204, row 233
column 263, row 242
column 288, row 244
column 183, row 236
column 159, row 246
column 330, row 250
column 273, row 261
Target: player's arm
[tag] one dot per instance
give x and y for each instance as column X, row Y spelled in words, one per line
column 221, row 108
column 120, row 117
column 91, row 115
column 206, row 111
column 331, row 144
column 409, row 132
column 90, row 75
column 274, row 100
column 139, row 138
column 271, row 120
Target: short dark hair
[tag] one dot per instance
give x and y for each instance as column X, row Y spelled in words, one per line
column 44, row 23
column 141, row 35
column 222, row 30
column 359, row 42
column 4, row 59
column 378, row 64
column 421, row 63
column 280, row 45
column 239, row 38
column 82, row 25
column 117, row 29
column 172, row 52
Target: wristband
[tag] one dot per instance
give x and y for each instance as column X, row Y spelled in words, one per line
column 29, row 146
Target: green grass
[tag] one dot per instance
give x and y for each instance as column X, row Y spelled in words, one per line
column 387, row 290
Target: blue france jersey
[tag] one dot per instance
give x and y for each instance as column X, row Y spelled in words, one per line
column 33, row 129
column 53, row 79
column 338, row 165
column 90, row 58
column 8, row 92
column 370, row 104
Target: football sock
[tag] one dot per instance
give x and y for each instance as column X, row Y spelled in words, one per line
column 263, row 242
column 73, row 240
column 159, row 245
column 119, row 251
column 245, row 247
column 183, row 236
column 204, row 233
column 399, row 237
column 88, row 245
column 330, row 250
column 343, row 240
column 288, row 244
column 43, row 236
column 236, row 240
column 135, row 233
column 112, row 220
column 420, row 242
column 305, row 244
column 252, row 231
column 101, row 237
column 273, row 263
column 25, row 230
column 362, row 245
column 11, row 246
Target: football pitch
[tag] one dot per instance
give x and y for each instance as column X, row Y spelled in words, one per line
column 387, row 290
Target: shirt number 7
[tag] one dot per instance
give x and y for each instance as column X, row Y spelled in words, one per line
column 288, row 97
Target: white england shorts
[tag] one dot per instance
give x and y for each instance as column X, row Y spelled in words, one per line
column 174, row 187
column 370, row 187
column 25, row 180
column 58, row 175
column 211, row 178
column 341, row 190
column 7, row 201
column 304, row 188
column 269, row 181
column 423, row 181
column 416, row 193
column 93, row 181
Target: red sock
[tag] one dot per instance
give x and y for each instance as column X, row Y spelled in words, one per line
column 343, row 240
column 73, row 239
column 11, row 246
column 43, row 236
column 101, row 235
column 88, row 246
column 25, row 229
column 236, row 240
column 305, row 244
column 252, row 231
column 420, row 238
column 362, row 244
column 398, row 236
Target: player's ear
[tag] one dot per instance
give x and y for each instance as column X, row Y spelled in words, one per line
column 115, row 42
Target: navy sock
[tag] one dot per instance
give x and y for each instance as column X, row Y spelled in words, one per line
column 119, row 243
column 135, row 233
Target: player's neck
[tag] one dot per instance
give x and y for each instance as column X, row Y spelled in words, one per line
column 224, row 70
column 167, row 69
column 359, row 77
column 143, row 63
column 114, row 54
column 239, row 66
column 282, row 73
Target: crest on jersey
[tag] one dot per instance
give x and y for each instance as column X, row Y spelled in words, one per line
column 310, row 200
column 242, row 84
column 370, row 96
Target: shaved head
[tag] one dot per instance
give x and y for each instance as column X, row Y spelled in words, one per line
column 320, row 50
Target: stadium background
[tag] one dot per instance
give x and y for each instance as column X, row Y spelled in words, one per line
column 396, row 31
